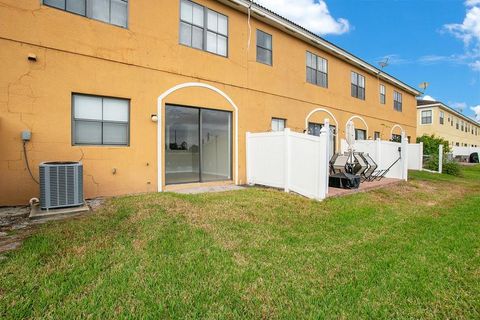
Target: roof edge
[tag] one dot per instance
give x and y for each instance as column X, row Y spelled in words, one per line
column 323, row 44
column 448, row 108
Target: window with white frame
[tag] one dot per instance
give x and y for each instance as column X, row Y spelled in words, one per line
column 426, row 116
column 278, row 124
column 358, row 86
column 264, row 48
column 397, row 101
column 100, row 120
column 376, row 135
column 383, row 94
column 317, row 70
column 110, row 11
column 203, row 28
column 442, row 117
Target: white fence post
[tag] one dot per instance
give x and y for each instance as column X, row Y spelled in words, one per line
column 327, row 153
column 404, row 155
column 249, row 162
column 287, row 159
column 323, row 165
column 421, row 156
column 440, row 158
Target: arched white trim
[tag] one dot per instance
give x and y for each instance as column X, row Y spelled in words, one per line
column 396, row 126
column 359, row 118
column 330, row 114
column 160, row 145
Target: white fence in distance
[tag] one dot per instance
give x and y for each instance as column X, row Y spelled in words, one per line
column 464, row 151
column 384, row 153
column 289, row 160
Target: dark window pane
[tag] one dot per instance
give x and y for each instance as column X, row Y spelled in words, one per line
column 87, row 132
column 264, row 56
column 119, row 13
column 100, row 10
column 60, row 4
column 115, row 133
column 197, row 38
column 76, row 6
column 185, row 34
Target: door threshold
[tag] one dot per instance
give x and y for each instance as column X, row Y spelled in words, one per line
column 183, row 186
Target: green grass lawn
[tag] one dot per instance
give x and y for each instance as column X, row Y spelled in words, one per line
column 407, row 251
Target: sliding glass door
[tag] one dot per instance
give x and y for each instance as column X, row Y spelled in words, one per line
column 197, row 145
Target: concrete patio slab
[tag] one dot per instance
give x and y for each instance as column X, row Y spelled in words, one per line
column 205, row 189
column 365, row 186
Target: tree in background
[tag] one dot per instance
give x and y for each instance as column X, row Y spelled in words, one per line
column 431, row 143
column 430, row 150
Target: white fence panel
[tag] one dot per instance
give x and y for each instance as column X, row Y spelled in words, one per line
column 415, row 156
column 289, row 160
column 464, row 151
column 267, row 152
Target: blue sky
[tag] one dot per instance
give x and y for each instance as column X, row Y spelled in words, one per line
column 425, row 40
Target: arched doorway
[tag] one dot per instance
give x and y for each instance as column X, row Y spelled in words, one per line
column 361, row 132
column 160, row 128
column 313, row 127
column 396, row 133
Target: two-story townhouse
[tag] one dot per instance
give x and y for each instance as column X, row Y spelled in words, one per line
column 437, row 118
column 148, row 94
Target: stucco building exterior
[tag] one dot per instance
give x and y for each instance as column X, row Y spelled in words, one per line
column 439, row 119
column 148, row 94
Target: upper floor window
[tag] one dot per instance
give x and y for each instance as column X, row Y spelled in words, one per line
column 426, row 116
column 382, row 94
column 358, row 86
column 110, row 11
column 278, row 124
column 463, row 126
column 376, row 135
column 203, row 29
column 264, row 48
column 317, row 70
column 456, row 124
column 442, row 117
column 100, row 120
column 397, row 101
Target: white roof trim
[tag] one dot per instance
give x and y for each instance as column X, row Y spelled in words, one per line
column 322, row 44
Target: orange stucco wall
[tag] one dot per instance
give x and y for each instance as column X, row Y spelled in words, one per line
column 77, row 54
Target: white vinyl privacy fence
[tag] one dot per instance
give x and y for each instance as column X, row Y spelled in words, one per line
column 385, row 153
column 415, row 156
column 289, row 160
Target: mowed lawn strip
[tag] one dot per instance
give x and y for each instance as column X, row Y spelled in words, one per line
column 406, row 251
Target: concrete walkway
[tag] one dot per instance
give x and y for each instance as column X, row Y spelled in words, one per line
column 204, row 189
column 364, row 186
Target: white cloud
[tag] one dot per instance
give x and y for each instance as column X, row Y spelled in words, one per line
column 469, row 32
column 310, row 14
column 471, row 3
column 458, row 106
column 476, row 109
column 428, row 98
column 475, row 65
